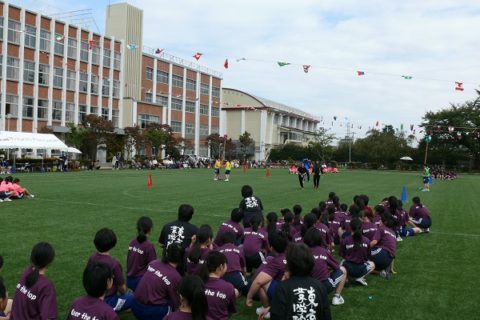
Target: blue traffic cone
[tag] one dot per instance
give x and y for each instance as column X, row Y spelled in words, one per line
column 404, row 195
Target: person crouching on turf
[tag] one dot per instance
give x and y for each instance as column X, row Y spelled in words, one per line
column 302, row 172
column 384, row 246
column 236, row 266
column 22, row 192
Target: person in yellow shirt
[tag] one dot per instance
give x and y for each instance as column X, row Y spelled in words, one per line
column 216, row 168
column 228, row 168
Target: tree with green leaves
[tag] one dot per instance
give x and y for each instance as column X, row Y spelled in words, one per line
column 133, row 140
column 158, row 136
column 215, row 142
column 98, row 132
column 320, row 147
column 245, row 142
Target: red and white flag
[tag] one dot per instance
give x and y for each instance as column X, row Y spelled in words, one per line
column 90, row 44
column 360, row 73
column 225, row 65
column 197, row 56
column 459, row 86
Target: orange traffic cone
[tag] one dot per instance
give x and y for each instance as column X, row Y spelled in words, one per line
column 268, row 173
column 149, row 181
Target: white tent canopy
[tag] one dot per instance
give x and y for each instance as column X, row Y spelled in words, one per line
column 25, row 140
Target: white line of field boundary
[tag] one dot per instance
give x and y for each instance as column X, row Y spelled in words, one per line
column 455, row 234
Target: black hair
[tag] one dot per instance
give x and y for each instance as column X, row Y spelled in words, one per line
column 388, row 220
column 297, row 209
column 3, row 290
column 308, row 222
column 1, row 262
column 278, row 241
column 331, row 195
column 365, row 199
column 379, row 209
column 313, row 238
column 236, row 215
column 185, row 212
column 284, row 211
column 272, row 219
column 288, row 219
column 247, row 191
column 42, row 255
column 204, row 234
column 228, row 237
column 336, row 201
column 331, row 212
column 192, row 290
column 344, row 207
column 322, row 205
column 357, row 234
column 354, row 210
column 9, row 179
column 393, row 204
column 105, row 240
column 173, row 253
column 360, row 203
column 417, row 201
column 300, row 260
column 213, row 260
column 255, row 222
column 144, row 226
column 16, row 180
column 95, row 279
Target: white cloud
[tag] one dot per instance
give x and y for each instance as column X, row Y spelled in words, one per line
column 435, row 41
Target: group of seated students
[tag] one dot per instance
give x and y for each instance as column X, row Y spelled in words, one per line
column 286, row 263
column 441, row 173
column 10, row 188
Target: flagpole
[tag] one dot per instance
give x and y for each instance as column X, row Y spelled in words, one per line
column 426, row 153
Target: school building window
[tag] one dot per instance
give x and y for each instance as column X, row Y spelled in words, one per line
column 58, row 77
column 84, row 51
column 149, row 73
column 204, row 109
column 148, row 97
column 190, row 106
column 106, row 87
column 43, row 74
column 176, row 104
column 214, row 130
column 162, row 77
column 72, row 48
column 11, row 105
column 216, row 92
column 69, row 112
column 189, row 130
column 14, row 31
column 96, row 55
column 116, row 88
column 30, row 36
column 59, row 44
column 177, row 81
column 203, row 131
column 191, row 84
column 94, row 84
column 27, row 107
column 71, row 80
column 1, row 28
column 94, row 110
column 176, row 126
column 83, row 82
column 28, row 71
column 162, row 100
column 115, row 117
column 117, row 60
column 205, row 88
column 45, row 40
column 82, row 113
column 106, row 57
column 105, row 113
column 12, row 68
column 42, row 110
column 57, row 110
column 215, row 112
column 145, row 119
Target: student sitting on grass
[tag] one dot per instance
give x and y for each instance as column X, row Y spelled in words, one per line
column 420, row 216
column 221, row 295
column 355, row 250
column 235, row 262
column 193, row 302
column 157, row 293
column 198, row 250
column 22, row 192
column 179, row 231
column 384, row 246
column 6, row 191
column 140, row 253
column 299, row 296
column 97, row 279
column 327, row 270
column 117, row 296
column 35, row 296
column 255, row 244
column 5, row 303
column 231, row 225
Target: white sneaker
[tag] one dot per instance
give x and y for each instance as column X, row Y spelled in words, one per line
column 1, row 200
column 259, row 311
column 337, row 300
column 399, row 239
column 362, row 281
column 426, row 230
column 226, row 180
column 7, row 199
column 32, row 196
column 385, row 275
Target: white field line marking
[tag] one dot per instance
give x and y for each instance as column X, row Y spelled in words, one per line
column 456, row 234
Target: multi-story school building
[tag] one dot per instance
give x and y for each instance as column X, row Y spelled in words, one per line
column 270, row 123
column 53, row 74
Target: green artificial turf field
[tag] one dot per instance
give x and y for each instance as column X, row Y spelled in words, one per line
column 436, row 272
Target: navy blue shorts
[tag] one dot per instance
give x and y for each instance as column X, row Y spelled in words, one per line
column 272, row 288
column 426, row 180
column 227, row 171
column 120, row 302
column 381, row 258
column 334, row 279
column 237, row 279
column 407, row 232
column 424, row 223
column 132, row 282
column 217, row 171
column 149, row 311
column 254, row 261
column 356, row 270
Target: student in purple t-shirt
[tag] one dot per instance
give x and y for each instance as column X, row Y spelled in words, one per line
column 5, row 303
column 232, row 225
column 327, row 270
column 297, row 218
column 420, row 216
column 369, row 228
column 117, row 296
column 198, row 251
column 221, row 295
column 355, row 250
column 255, row 244
column 384, row 246
column 235, row 262
column 97, row 279
column 140, row 253
column 193, row 302
column 35, row 296
column 268, row 279
column 157, row 292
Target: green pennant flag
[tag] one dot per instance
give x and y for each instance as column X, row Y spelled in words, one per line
column 283, row 64
column 407, row 77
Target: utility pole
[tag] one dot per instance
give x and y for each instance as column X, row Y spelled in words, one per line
column 350, row 135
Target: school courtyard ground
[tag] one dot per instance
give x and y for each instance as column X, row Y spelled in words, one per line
column 437, row 272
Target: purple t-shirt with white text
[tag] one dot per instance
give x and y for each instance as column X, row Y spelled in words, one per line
column 37, row 302
column 221, row 298
column 254, row 241
column 235, row 257
column 139, row 256
column 325, row 231
column 192, row 267
column 369, row 229
column 159, row 285
column 228, row 226
column 324, row 261
column 91, row 308
column 276, row 267
column 178, row 315
column 387, row 240
column 354, row 254
column 115, row 266
column 417, row 212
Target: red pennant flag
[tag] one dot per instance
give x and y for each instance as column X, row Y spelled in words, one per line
column 411, row 127
column 158, row 51
column 197, row 56
column 360, row 73
column 225, row 65
column 306, row 67
column 376, row 124
column 90, row 44
column 458, row 86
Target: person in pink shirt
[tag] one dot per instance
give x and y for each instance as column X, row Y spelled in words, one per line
column 6, row 190
column 22, row 192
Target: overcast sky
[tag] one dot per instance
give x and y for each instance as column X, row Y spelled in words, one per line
column 436, row 42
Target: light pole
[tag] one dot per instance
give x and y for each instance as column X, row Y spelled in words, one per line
column 8, row 116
